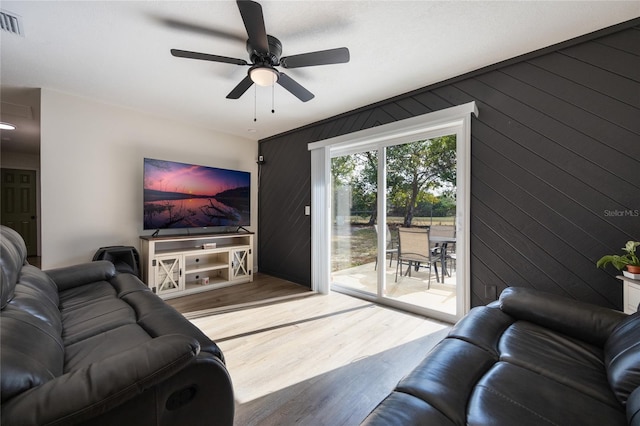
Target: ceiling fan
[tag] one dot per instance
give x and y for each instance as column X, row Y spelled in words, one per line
column 264, row 52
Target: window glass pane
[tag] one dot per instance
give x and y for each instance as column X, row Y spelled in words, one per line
column 354, row 212
column 421, row 209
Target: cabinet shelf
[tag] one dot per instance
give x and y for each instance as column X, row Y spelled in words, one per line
column 206, row 267
column 178, row 265
column 218, row 248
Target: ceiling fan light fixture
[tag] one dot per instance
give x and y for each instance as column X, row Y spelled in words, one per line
column 263, row 76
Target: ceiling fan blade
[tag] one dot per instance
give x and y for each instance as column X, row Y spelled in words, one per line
column 296, row 89
column 254, row 23
column 242, row 87
column 201, row 29
column 322, row 57
column 207, row 57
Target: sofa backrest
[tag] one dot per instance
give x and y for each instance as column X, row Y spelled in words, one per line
column 31, row 351
column 622, row 357
column 13, row 254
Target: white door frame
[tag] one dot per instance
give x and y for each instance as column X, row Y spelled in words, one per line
column 455, row 120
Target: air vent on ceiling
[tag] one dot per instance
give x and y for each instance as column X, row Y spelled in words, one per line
column 11, row 22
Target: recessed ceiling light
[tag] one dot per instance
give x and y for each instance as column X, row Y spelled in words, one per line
column 7, row 126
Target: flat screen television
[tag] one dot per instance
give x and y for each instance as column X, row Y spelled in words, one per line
column 179, row 195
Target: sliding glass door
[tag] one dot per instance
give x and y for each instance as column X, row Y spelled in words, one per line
column 390, row 208
column 378, row 194
column 354, row 243
column 420, row 193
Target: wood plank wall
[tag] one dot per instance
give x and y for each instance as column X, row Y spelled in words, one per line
column 555, row 168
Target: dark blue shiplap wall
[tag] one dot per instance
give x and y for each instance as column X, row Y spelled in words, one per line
column 555, row 168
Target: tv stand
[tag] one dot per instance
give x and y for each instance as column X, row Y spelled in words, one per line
column 178, row 265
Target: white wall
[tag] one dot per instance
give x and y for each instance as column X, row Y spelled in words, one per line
column 91, row 171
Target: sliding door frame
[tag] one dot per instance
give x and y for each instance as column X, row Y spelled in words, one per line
column 455, row 120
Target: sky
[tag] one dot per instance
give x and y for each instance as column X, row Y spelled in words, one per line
column 170, row 176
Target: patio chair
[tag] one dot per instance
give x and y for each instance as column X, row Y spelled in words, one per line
column 449, row 253
column 415, row 251
column 391, row 249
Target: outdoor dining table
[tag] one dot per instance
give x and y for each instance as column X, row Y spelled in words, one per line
column 443, row 242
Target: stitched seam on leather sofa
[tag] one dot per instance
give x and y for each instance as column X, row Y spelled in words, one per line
column 122, row 294
column 56, row 338
column 426, row 402
column 505, row 397
column 568, row 384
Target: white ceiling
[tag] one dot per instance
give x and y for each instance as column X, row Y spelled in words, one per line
column 117, row 52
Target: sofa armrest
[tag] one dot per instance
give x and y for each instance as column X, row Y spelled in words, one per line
column 584, row 321
column 81, row 274
column 85, row 393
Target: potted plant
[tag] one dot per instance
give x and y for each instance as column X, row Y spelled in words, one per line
column 629, row 260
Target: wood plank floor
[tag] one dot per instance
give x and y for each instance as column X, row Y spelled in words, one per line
column 317, row 360
column 263, row 289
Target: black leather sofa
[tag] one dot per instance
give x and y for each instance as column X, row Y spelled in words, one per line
column 84, row 345
column 530, row 358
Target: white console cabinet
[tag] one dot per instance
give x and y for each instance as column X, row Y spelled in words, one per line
column 175, row 266
column 631, row 294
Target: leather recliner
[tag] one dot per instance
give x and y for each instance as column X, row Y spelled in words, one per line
column 85, row 345
column 531, row 358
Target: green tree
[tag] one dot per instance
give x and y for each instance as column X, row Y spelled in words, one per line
column 367, row 185
column 414, row 168
column 356, row 174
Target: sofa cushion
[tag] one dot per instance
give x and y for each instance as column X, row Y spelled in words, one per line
column 86, row 295
column 32, row 351
column 31, row 328
column 157, row 318
column 446, row 377
column 572, row 362
column 483, row 327
column 92, row 309
column 81, row 274
column 37, row 295
column 622, row 357
column 103, row 345
column 403, row 409
column 13, row 254
column 584, row 321
column 511, row 395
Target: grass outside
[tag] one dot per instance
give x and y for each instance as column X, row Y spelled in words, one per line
column 354, row 243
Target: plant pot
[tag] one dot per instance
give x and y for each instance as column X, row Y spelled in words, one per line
column 634, row 269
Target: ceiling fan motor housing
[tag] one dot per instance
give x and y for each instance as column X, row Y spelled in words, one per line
column 272, row 57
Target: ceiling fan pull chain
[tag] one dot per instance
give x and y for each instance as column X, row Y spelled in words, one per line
column 273, row 96
column 255, row 101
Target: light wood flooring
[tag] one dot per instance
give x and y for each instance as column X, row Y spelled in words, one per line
column 263, row 289
column 317, row 360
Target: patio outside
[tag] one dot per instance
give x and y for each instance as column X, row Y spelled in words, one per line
column 418, row 191
column 354, row 266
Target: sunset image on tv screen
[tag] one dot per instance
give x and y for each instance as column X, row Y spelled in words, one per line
column 179, row 195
